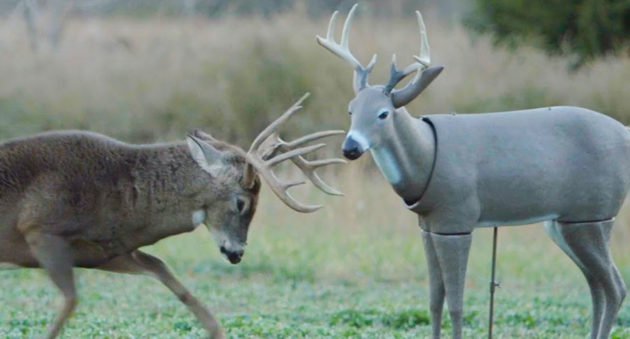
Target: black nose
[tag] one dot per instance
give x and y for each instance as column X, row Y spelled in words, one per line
column 233, row 256
column 351, row 149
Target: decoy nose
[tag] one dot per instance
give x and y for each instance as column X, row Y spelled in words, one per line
column 351, row 154
column 351, row 149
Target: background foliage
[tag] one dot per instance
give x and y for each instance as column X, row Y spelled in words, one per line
column 584, row 29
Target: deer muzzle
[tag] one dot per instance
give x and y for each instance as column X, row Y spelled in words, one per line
column 353, row 148
column 234, row 256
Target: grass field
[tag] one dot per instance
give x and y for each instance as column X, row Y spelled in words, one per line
column 354, row 269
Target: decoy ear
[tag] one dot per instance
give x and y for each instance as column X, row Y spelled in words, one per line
column 405, row 95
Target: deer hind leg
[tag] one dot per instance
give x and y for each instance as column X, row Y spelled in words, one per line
column 54, row 255
column 451, row 252
column 587, row 245
column 139, row 262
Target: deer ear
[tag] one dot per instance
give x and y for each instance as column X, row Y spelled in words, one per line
column 412, row 90
column 205, row 155
column 199, row 134
column 249, row 176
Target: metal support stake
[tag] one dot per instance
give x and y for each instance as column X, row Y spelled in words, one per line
column 493, row 283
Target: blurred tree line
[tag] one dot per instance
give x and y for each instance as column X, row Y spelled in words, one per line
column 582, row 29
column 172, row 83
column 219, row 8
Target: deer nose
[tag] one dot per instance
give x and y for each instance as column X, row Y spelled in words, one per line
column 233, row 256
column 351, row 149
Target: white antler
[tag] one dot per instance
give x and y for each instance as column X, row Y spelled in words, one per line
column 342, row 49
column 423, row 60
column 268, row 150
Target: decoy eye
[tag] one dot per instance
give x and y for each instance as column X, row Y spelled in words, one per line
column 383, row 115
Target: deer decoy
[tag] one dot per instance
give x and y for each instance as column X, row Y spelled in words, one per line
column 566, row 166
column 80, row 199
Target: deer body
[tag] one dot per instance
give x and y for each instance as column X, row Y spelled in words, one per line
column 79, row 199
column 558, row 163
column 567, row 166
column 104, row 205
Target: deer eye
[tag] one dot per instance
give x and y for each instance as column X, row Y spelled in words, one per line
column 383, row 115
column 240, row 205
column 349, row 112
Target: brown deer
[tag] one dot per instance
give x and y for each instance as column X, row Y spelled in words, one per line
column 80, row 199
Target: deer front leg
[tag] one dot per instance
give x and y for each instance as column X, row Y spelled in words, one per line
column 436, row 285
column 451, row 252
column 139, row 262
column 54, row 255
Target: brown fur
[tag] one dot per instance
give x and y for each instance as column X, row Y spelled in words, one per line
column 88, row 200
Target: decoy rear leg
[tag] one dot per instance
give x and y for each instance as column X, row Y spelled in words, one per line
column 597, row 295
column 587, row 245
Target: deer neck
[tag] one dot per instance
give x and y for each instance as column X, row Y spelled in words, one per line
column 165, row 180
column 406, row 155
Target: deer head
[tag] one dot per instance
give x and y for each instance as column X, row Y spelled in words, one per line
column 372, row 108
column 236, row 184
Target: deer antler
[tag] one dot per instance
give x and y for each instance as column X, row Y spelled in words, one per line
column 276, row 145
column 268, row 150
column 422, row 61
column 342, row 49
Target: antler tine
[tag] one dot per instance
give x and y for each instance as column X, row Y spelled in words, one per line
column 425, row 57
column 425, row 53
column 330, row 34
column 298, row 206
column 274, row 125
column 345, row 34
column 342, row 49
column 309, row 167
column 294, row 153
column 276, row 144
column 264, row 154
column 293, row 184
column 396, row 75
column 371, row 64
column 422, row 61
column 325, row 162
column 280, row 189
column 312, row 137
